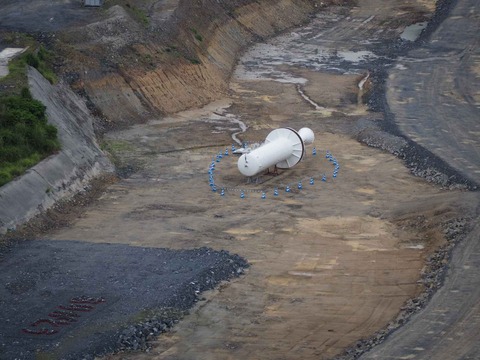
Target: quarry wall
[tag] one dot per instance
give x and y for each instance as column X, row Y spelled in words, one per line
column 188, row 61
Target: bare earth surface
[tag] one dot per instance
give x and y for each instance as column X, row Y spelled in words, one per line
column 331, row 263
column 443, row 79
column 445, row 74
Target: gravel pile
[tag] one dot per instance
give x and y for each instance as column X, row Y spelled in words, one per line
column 368, row 132
column 420, row 161
column 139, row 336
column 144, row 292
column 425, row 164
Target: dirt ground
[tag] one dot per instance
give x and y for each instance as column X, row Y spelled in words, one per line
column 331, row 263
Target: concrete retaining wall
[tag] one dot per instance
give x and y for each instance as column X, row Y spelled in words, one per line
column 61, row 175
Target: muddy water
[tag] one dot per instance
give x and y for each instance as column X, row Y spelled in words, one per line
column 330, row 263
column 412, row 32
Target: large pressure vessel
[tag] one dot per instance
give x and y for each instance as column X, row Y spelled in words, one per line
column 283, row 148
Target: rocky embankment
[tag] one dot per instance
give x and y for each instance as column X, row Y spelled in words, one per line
column 130, row 72
column 133, row 72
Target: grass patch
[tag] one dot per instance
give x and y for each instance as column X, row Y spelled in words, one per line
column 197, row 34
column 16, row 79
column 115, row 148
column 25, row 135
column 194, row 61
column 138, row 14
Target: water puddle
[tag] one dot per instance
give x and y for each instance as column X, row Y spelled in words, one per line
column 412, row 32
column 316, row 47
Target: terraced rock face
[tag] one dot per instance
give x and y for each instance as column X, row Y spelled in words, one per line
column 181, row 61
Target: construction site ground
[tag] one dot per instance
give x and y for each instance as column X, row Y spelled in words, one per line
column 331, row 263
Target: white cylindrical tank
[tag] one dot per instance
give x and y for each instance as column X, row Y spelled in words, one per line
column 307, row 135
column 283, row 147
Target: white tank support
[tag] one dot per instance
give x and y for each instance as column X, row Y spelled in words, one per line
column 283, row 148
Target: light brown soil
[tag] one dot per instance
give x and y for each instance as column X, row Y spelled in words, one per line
column 330, row 264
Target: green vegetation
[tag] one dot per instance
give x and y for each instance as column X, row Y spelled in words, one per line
column 25, row 135
column 197, row 35
column 41, row 61
column 115, row 148
column 17, row 76
column 194, row 61
column 138, row 13
column 172, row 50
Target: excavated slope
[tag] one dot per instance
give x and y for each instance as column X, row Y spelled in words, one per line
column 63, row 174
column 178, row 63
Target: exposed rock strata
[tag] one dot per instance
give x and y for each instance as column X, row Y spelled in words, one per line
column 178, row 63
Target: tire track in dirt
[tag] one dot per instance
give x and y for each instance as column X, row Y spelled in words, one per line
column 434, row 92
column 441, row 112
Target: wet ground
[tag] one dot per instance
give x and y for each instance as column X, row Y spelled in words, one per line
column 442, row 78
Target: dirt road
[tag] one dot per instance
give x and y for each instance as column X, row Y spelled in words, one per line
column 442, row 79
column 44, row 16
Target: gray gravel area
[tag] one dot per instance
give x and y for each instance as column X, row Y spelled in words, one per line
column 71, row 299
column 44, row 16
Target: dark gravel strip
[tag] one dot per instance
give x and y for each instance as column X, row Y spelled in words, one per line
column 107, row 297
column 419, row 160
